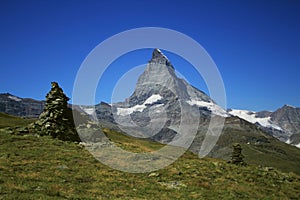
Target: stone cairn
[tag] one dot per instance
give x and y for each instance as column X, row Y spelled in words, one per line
column 237, row 156
column 56, row 120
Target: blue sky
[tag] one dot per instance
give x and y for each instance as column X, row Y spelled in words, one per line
column 255, row 44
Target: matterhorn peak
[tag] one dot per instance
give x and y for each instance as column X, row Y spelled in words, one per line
column 159, row 58
column 288, row 106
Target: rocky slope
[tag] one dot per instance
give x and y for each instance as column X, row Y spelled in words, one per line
column 24, row 107
column 288, row 118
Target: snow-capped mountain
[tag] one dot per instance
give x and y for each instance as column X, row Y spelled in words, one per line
column 159, row 96
column 284, row 123
column 254, row 118
column 158, row 83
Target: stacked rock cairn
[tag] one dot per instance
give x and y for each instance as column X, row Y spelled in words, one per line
column 237, row 156
column 56, row 120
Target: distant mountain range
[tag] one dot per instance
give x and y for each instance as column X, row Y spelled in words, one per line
column 158, row 97
column 24, row 107
column 284, row 123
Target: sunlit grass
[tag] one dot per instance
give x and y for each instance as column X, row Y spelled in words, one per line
column 12, row 121
column 34, row 167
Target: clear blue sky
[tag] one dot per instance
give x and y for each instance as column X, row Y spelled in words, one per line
column 255, row 44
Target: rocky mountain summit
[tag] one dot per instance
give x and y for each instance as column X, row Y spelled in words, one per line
column 159, row 78
column 154, row 108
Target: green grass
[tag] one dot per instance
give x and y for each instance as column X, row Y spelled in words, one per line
column 133, row 145
column 43, row 168
column 271, row 152
column 13, row 121
column 34, row 167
